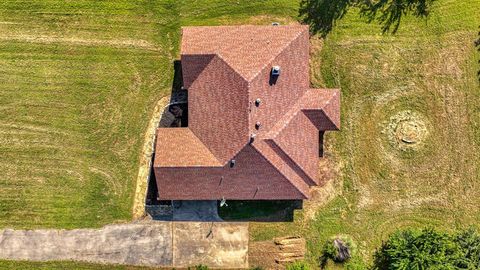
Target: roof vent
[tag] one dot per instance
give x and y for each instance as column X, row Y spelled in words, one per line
column 232, row 164
column 275, row 23
column 275, row 70
column 257, row 102
column 257, row 125
column 252, row 138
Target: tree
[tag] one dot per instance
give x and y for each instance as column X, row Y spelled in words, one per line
column 429, row 249
column 322, row 14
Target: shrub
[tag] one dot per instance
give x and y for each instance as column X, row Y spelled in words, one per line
column 337, row 249
column 469, row 242
column 429, row 249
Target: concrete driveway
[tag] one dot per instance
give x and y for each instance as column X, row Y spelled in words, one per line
column 167, row 244
column 135, row 244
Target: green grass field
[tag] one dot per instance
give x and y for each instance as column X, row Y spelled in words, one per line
column 80, row 80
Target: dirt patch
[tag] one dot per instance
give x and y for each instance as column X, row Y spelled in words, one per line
column 146, row 158
column 268, row 19
column 321, row 195
column 259, row 20
column 278, row 253
column 218, row 245
column 316, row 45
column 406, row 130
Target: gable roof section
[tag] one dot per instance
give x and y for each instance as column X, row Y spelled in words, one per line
column 218, row 109
column 179, row 147
column 247, row 48
column 320, row 106
column 280, row 161
column 299, row 141
column 314, row 101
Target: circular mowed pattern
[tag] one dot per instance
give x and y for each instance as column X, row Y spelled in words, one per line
column 407, row 130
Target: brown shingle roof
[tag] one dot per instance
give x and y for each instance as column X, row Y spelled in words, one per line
column 317, row 100
column 179, row 147
column 225, row 69
column 246, row 48
column 277, row 158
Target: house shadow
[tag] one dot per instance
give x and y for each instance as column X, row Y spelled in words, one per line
column 175, row 114
column 260, row 210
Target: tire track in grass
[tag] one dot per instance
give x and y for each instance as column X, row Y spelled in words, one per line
column 115, row 43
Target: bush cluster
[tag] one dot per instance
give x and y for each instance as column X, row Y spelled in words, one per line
column 338, row 249
column 429, row 249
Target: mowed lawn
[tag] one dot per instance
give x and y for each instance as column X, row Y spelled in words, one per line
column 420, row 86
column 80, row 79
column 423, row 79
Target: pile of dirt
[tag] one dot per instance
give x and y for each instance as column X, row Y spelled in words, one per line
column 277, row 253
column 406, row 130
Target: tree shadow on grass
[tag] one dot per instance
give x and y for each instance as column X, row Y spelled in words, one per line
column 389, row 13
column 321, row 15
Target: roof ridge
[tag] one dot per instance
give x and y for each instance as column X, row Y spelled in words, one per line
column 196, row 137
column 225, row 61
column 273, row 58
column 220, row 57
column 267, row 157
column 305, row 175
column 230, row 66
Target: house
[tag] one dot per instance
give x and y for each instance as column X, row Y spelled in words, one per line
column 254, row 122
